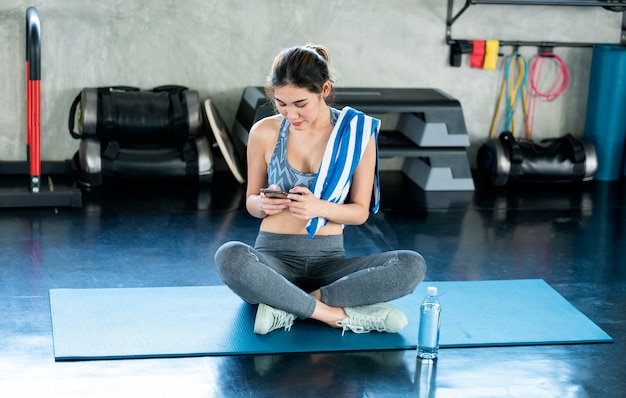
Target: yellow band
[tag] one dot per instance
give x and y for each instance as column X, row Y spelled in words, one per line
column 491, row 54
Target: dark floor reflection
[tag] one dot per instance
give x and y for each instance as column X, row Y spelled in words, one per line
column 353, row 374
column 136, row 235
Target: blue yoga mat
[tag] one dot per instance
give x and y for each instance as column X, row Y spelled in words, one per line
column 211, row 320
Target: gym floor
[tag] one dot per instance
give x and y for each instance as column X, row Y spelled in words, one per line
column 131, row 235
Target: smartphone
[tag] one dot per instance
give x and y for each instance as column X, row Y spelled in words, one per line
column 274, row 193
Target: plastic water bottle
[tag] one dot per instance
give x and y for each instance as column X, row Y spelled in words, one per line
column 428, row 337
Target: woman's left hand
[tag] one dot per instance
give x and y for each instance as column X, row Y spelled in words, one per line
column 304, row 205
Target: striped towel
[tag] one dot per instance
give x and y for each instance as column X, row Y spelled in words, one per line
column 344, row 150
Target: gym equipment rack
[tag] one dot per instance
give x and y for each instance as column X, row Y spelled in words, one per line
column 39, row 192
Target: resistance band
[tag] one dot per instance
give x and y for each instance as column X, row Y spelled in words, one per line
column 491, row 54
column 559, row 84
column 477, row 57
column 511, row 93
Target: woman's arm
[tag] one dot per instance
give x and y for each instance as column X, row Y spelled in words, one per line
column 261, row 142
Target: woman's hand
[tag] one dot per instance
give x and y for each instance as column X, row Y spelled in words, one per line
column 304, row 205
column 273, row 205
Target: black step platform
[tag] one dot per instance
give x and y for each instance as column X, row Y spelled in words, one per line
column 425, row 126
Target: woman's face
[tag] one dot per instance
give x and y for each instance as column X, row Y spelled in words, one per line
column 298, row 105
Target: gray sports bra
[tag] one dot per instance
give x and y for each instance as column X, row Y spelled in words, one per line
column 279, row 171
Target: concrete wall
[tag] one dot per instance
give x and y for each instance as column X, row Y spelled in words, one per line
column 221, row 46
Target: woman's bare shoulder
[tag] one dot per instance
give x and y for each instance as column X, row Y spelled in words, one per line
column 266, row 128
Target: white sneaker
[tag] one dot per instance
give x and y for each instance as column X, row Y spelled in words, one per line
column 381, row 317
column 269, row 318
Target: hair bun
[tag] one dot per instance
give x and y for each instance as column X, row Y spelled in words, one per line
column 321, row 51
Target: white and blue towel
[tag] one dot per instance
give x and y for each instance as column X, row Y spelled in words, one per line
column 344, row 150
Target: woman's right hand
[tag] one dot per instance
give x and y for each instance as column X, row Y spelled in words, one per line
column 271, row 206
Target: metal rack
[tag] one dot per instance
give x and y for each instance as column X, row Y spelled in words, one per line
column 460, row 46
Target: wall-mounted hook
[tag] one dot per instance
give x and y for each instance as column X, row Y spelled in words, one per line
column 546, row 49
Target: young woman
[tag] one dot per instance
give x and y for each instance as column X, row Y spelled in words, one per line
column 327, row 161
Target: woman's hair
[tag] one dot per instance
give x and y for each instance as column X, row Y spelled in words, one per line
column 305, row 67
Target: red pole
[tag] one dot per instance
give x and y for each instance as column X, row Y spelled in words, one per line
column 28, row 106
column 33, row 100
column 35, row 145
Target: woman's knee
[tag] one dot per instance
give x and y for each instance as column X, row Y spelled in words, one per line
column 230, row 257
column 414, row 264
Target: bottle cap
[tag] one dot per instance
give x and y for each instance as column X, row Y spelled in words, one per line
column 431, row 291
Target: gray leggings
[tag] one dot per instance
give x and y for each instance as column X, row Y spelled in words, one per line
column 281, row 270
